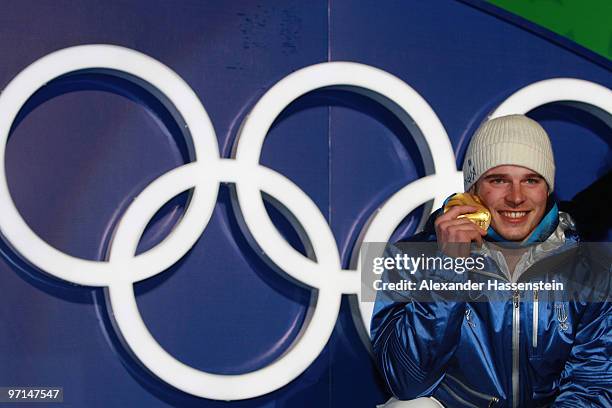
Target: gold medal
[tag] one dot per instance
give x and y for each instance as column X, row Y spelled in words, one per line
column 482, row 216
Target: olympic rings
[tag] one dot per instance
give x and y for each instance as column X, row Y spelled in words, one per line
column 250, row 178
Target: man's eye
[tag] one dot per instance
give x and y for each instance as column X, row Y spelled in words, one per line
column 533, row 181
column 497, row 181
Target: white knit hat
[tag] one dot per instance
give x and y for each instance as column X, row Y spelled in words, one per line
column 509, row 140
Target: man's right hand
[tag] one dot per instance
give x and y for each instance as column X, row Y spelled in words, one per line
column 456, row 234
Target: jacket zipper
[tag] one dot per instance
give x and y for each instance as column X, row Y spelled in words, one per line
column 516, row 332
column 515, row 347
column 536, row 307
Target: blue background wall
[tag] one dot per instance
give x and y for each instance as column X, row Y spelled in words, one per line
column 86, row 147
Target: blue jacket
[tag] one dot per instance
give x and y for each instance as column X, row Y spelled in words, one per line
column 524, row 351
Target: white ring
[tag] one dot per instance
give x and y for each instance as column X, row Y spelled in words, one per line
column 387, row 89
column 391, row 214
column 555, row 90
column 117, row 60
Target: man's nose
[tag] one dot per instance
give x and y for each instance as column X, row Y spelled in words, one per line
column 515, row 196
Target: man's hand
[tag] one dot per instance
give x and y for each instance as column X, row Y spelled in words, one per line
column 456, row 234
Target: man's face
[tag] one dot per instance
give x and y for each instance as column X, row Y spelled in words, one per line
column 516, row 197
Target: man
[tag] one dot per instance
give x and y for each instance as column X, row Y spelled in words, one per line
column 525, row 350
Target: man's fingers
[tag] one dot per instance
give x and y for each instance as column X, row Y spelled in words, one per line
column 455, row 233
column 464, row 234
column 458, row 210
column 454, row 212
column 446, row 227
column 461, row 221
column 455, row 221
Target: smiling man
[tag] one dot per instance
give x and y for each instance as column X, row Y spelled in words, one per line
column 524, row 348
column 516, row 197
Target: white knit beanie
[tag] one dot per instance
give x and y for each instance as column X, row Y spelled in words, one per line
column 509, row 140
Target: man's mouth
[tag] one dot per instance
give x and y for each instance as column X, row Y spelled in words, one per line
column 514, row 216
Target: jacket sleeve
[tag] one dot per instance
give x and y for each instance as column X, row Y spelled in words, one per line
column 586, row 380
column 413, row 341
